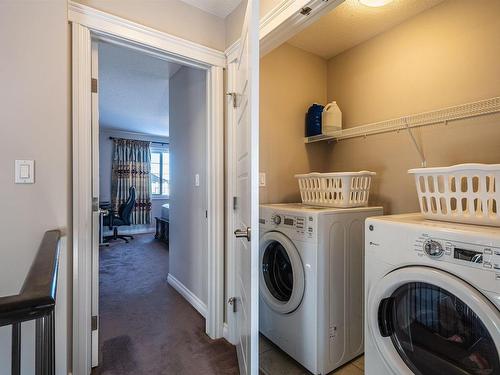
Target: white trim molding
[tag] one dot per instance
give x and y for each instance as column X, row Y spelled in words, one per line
column 82, row 203
column 99, row 21
column 286, row 20
column 215, row 201
column 89, row 24
column 232, row 50
column 188, row 295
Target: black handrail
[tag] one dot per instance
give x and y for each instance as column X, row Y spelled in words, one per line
column 36, row 300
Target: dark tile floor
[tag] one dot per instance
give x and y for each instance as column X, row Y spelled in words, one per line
column 146, row 326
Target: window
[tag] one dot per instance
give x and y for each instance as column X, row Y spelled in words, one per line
column 160, row 181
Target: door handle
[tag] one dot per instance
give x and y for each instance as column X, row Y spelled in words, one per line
column 385, row 311
column 243, row 233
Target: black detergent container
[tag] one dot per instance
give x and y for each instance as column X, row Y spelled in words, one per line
column 313, row 120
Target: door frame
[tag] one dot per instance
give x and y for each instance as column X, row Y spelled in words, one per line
column 87, row 24
column 275, row 28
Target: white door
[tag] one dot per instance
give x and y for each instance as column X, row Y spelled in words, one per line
column 95, row 207
column 246, row 254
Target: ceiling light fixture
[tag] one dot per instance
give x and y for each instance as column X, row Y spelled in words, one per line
column 375, row 3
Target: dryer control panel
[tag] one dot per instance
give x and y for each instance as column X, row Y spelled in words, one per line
column 467, row 254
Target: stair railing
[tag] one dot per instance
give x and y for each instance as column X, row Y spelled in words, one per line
column 36, row 301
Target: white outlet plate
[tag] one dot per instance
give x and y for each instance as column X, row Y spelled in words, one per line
column 196, row 179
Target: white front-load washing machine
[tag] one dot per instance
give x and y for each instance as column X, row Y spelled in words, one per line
column 432, row 297
column 311, row 282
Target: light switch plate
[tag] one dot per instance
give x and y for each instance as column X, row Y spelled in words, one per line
column 196, row 179
column 262, row 179
column 25, row 172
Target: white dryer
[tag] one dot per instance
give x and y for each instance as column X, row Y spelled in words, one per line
column 311, row 282
column 432, row 297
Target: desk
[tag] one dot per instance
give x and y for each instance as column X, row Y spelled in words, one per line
column 162, row 228
column 104, row 209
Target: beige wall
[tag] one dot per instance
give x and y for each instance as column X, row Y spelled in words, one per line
column 34, row 112
column 290, row 80
column 171, row 16
column 188, row 225
column 445, row 56
column 35, row 124
column 234, row 23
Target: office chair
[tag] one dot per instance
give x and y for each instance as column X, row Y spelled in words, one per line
column 113, row 221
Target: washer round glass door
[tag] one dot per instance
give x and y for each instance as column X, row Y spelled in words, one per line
column 282, row 281
column 433, row 323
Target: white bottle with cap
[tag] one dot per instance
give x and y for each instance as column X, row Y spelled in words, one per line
column 331, row 120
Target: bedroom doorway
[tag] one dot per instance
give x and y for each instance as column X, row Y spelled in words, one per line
column 150, row 281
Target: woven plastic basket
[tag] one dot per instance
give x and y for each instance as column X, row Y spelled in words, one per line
column 344, row 189
column 464, row 193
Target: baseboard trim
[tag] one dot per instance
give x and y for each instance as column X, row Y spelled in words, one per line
column 225, row 331
column 132, row 229
column 188, row 295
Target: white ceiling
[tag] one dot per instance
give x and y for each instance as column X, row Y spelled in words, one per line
column 352, row 23
column 133, row 90
column 220, row 8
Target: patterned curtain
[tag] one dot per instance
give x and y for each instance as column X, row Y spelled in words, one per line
column 131, row 167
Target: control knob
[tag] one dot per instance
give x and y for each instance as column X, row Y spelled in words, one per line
column 433, row 248
column 276, row 219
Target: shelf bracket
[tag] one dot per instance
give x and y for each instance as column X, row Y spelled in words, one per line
column 419, row 150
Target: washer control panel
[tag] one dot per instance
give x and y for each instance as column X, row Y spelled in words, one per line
column 467, row 254
column 303, row 226
column 434, row 249
column 291, row 221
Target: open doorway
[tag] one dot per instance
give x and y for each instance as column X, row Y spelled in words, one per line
column 152, row 294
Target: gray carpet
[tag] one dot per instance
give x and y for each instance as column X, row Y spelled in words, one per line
column 146, row 326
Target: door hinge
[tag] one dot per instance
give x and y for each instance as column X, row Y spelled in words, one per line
column 95, row 322
column 206, row 214
column 235, row 203
column 95, row 204
column 305, row 11
column 244, row 233
column 93, row 85
column 232, row 301
column 234, row 98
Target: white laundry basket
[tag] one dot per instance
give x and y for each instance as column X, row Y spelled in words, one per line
column 464, row 193
column 343, row 189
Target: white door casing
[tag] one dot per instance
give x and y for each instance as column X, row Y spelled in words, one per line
column 88, row 23
column 95, row 203
column 246, row 102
